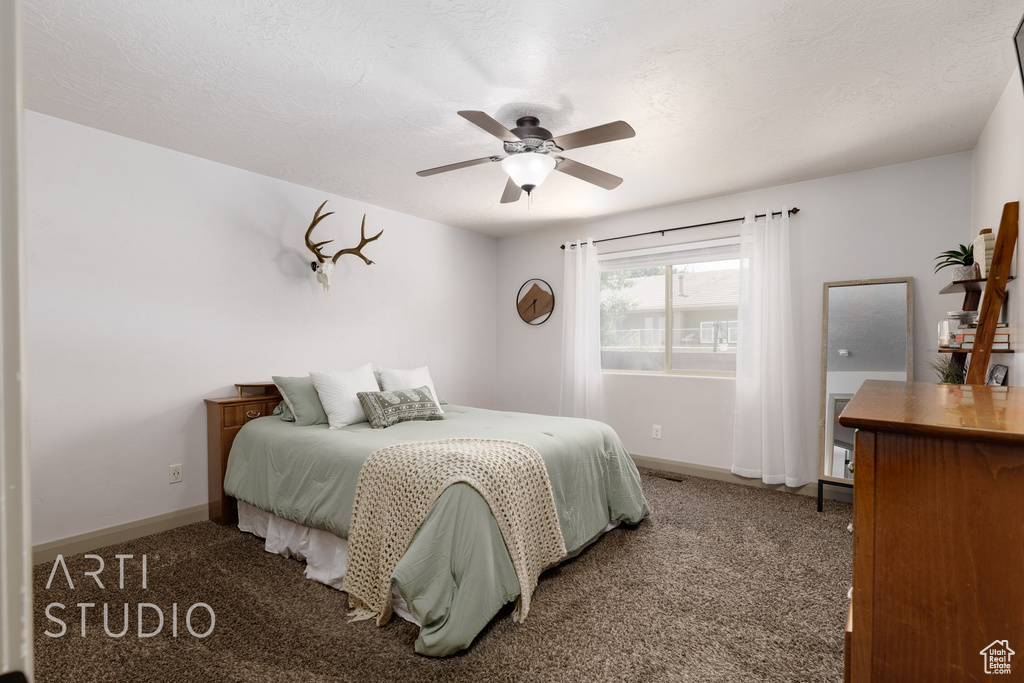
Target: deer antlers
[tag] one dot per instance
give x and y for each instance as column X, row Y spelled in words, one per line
column 363, row 241
column 356, row 251
column 315, row 248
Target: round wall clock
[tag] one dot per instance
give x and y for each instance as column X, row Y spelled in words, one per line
column 535, row 301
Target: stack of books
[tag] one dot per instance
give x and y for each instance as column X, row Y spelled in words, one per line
column 984, row 249
column 965, row 335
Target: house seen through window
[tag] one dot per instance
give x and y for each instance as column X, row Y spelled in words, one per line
column 671, row 310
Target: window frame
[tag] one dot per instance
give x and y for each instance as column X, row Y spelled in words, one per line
column 668, row 313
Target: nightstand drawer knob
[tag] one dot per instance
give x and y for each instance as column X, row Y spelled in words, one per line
column 252, row 413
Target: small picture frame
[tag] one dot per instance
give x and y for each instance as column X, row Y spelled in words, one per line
column 996, row 376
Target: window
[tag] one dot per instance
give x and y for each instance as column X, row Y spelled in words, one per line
column 694, row 286
column 722, row 331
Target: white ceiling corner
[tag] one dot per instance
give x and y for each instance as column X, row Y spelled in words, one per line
column 354, row 97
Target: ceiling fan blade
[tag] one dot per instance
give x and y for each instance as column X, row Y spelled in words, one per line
column 617, row 130
column 461, row 164
column 588, row 173
column 490, row 125
column 512, row 192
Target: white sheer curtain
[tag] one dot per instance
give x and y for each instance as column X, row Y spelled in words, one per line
column 581, row 333
column 767, row 440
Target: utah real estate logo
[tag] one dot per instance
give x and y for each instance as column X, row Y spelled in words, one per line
column 997, row 657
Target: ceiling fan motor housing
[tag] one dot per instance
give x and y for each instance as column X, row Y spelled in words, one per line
column 532, row 138
column 529, row 127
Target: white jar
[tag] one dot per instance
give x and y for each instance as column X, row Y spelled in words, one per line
column 950, row 325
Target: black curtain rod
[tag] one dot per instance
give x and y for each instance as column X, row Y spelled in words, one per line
column 792, row 212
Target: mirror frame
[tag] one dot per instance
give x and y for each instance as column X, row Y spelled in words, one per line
column 909, row 281
column 830, row 426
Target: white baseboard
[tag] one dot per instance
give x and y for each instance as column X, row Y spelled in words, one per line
column 838, row 493
column 73, row 545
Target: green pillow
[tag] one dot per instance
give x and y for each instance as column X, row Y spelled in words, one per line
column 283, row 412
column 302, row 399
column 385, row 408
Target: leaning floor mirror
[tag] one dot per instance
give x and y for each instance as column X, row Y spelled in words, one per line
column 867, row 333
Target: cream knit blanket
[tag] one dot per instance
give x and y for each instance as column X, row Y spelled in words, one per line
column 399, row 484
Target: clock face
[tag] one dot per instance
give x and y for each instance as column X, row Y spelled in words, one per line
column 535, row 301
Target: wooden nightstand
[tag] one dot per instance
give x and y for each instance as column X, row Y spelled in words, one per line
column 224, row 417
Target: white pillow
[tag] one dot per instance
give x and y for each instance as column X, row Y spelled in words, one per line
column 397, row 380
column 338, row 393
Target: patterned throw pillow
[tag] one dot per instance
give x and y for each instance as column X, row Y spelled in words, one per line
column 396, row 380
column 385, row 408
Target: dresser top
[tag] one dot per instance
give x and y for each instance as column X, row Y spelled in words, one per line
column 980, row 413
column 248, row 398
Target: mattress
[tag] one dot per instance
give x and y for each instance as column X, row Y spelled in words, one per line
column 457, row 573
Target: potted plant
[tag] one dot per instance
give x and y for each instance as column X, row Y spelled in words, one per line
column 948, row 370
column 961, row 260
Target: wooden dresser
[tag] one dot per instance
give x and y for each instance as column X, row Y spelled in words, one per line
column 938, row 537
column 224, row 417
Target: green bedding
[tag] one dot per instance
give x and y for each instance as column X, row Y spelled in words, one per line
column 456, row 574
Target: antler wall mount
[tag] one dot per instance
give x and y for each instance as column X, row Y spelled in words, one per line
column 324, row 265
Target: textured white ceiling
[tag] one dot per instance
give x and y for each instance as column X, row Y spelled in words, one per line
column 353, row 97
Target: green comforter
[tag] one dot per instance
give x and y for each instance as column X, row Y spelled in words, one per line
column 456, row 574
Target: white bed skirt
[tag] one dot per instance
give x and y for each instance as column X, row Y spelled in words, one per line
column 325, row 554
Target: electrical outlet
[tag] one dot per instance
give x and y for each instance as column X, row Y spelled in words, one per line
column 174, row 474
column 656, row 431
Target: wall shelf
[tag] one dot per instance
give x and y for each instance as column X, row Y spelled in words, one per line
column 994, row 287
column 969, row 350
column 966, row 286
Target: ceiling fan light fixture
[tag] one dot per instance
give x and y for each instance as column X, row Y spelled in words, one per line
column 528, row 169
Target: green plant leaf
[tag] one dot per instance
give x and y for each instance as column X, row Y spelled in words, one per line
column 964, row 256
column 948, row 369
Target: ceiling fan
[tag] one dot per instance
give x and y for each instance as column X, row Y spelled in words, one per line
column 532, row 153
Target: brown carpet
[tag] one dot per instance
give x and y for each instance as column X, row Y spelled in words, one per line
column 722, row 583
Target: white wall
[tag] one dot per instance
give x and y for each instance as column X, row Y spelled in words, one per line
column 849, row 382
column 157, row 279
column 886, row 222
column 999, row 178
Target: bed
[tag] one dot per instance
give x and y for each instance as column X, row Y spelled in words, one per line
column 457, row 574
